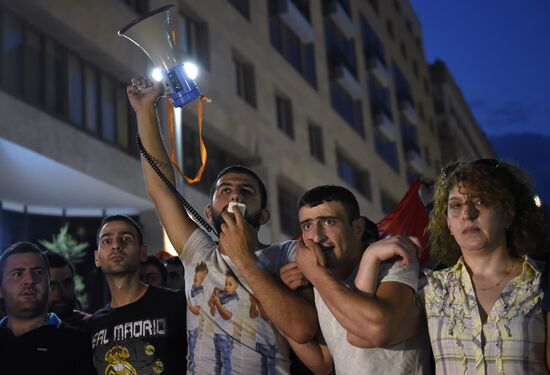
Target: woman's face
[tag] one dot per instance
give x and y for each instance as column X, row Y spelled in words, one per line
column 475, row 225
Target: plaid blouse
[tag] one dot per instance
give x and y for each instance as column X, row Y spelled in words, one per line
column 512, row 341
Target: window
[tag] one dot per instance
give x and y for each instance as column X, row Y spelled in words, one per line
column 374, row 5
column 91, row 98
column 56, row 78
column 288, row 216
column 192, row 38
column 75, row 93
column 108, row 119
column 372, row 46
column 426, row 86
column 242, row 6
column 47, row 75
column 355, row 177
column 347, row 107
column 427, row 155
column 245, row 81
column 284, row 115
column 388, row 203
column 403, row 49
column 397, row 6
column 316, row 148
column 415, row 68
column 389, row 29
column 297, row 52
column 140, row 6
column 387, row 151
column 409, row 26
column 34, row 62
column 12, row 53
column 218, row 158
column 244, row 73
column 421, row 112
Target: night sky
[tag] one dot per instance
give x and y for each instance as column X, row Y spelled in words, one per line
column 499, row 54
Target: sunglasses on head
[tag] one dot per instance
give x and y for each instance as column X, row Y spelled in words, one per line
column 487, row 162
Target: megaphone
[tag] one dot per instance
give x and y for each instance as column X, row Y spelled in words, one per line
column 155, row 34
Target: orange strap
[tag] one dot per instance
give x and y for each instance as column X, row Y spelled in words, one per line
column 173, row 157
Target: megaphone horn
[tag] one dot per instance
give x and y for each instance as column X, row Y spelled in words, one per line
column 155, row 34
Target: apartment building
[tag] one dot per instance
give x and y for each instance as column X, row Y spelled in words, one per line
column 305, row 92
column 460, row 136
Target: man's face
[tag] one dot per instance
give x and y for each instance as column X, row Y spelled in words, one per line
column 327, row 224
column 150, row 275
column 119, row 251
column 62, row 298
column 24, row 286
column 231, row 285
column 236, row 187
column 176, row 278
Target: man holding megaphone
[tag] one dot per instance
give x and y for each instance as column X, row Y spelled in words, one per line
column 232, row 340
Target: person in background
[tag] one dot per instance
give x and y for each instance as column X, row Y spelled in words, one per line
column 62, row 297
column 484, row 312
column 33, row 341
column 175, row 273
column 153, row 272
column 142, row 329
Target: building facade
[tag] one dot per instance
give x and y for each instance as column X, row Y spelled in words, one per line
column 305, row 92
column 460, row 136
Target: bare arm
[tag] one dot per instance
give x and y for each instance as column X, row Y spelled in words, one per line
column 143, row 95
column 291, row 313
column 390, row 317
column 315, row 355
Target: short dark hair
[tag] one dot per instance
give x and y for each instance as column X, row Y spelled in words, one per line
column 22, row 248
column 241, row 169
column 174, row 260
column 371, row 233
column 330, row 193
column 128, row 219
column 57, row 260
column 156, row 262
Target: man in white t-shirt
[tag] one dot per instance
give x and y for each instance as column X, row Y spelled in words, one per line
column 255, row 265
column 373, row 331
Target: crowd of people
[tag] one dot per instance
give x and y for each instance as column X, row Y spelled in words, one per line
column 342, row 299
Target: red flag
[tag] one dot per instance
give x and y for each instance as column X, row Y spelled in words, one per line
column 410, row 217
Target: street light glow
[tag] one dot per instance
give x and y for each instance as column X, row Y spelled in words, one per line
column 538, row 201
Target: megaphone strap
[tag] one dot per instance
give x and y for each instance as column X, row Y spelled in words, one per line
column 204, row 154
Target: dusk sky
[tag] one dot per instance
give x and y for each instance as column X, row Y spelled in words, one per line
column 499, row 54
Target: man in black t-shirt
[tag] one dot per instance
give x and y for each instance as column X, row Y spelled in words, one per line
column 142, row 330
column 31, row 340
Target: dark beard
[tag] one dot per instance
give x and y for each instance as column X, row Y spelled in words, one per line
column 217, row 220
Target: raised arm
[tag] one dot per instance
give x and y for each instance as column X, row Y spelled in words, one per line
column 143, row 95
column 291, row 313
column 383, row 319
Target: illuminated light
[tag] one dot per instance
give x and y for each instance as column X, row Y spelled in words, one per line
column 538, row 201
column 168, row 245
column 191, row 70
column 156, row 74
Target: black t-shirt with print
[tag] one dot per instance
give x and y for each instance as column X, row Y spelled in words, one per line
column 144, row 337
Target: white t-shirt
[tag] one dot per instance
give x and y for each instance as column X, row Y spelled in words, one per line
column 200, row 248
column 197, row 299
column 405, row 358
